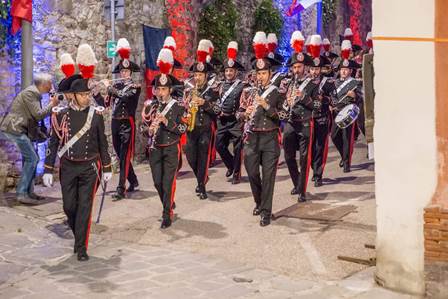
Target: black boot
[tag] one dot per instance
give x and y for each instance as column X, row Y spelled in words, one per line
column 236, row 179
column 166, row 222
column 346, row 168
column 265, row 219
column 133, row 187
column 341, row 163
column 302, row 198
column 118, row 196
column 229, row 173
column 202, row 193
column 256, row 211
column 82, row 255
column 294, row 191
column 318, row 182
column 197, row 190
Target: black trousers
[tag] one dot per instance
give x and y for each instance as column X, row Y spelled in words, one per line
column 298, row 136
column 343, row 140
column 229, row 131
column 79, row 183
column 198, row 152
column 320, row 145
column 123, row 137
column 262, row 148
column 164, row 162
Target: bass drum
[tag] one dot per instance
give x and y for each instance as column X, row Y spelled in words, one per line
column 347, row 116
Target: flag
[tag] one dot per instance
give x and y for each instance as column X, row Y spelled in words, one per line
column 153, row 39
column 299, row 5
column 20, row 9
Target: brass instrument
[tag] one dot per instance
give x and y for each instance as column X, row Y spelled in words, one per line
column 193, row 109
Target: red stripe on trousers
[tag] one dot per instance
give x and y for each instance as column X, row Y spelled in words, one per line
column 173, row 185
column 310, row 155
column 208, row 161
column 324, row 158
column 352, row 141
column 213, row 156
column 130, row 153
column 95, row 188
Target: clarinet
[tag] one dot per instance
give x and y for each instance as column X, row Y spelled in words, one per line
column 249, row 123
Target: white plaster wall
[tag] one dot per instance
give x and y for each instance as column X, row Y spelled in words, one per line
column 405, row 141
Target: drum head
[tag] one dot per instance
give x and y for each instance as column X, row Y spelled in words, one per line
column 347, row 116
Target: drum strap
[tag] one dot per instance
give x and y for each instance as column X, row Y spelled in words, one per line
column 322, row 83
column 343, row 85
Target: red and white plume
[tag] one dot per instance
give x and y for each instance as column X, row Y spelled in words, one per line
column 348, row 34
column 232, row 50
column 86, row 61
column 272, row 42
column 369, row 40
column 202, row 51
column 346, row 48
column 123, row 48
column 170, row 43
column 67, row 65
column 315, row 45
column 297, row 41
column 165, row 61
column 307, row 44
column 326, row 44
column 259, row 44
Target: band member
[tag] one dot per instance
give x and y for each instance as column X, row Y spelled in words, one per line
column 262, row 132
column 178, row 87
column 329, row 54
column 298, row 130
column 123, row 96
column 203, row 110
column 78, row 139
column 321, row 117
column 343, row 95
column 277, row 76
column 229, row 128
column 166, row 123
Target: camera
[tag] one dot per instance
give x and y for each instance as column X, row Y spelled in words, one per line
column 60, row 96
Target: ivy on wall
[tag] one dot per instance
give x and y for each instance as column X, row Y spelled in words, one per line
column 267, row 18
column 5, row 23
column 217, row 23
column 328, row 11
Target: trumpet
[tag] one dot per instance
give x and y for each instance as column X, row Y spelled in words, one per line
column 193, row 109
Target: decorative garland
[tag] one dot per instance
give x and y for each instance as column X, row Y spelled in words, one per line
column 179, row 12
column 217, row 23
column 355, row 15
column 328, row 11
column 268, row 18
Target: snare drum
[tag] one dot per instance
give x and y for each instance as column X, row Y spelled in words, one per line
column 347, row 116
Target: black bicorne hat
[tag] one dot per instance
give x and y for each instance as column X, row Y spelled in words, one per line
column 126, row 64
column 79, row 85
column 64, row 85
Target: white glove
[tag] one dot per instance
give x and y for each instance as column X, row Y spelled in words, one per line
column 48, row 180
column 107, row 176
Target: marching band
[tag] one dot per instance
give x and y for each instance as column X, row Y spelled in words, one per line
column 245, row 117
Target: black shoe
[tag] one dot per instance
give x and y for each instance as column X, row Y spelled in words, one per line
column 236, row 180
column 313, row 179
column 341, row 163
column 229, row 173
column 197, row 189
column 203, row 195
column 318, row 183
column 133, row 187
column 346, row 168
column 302, row 198
column 256, row 211
column 166, row 222
column 75, row 250
column 118, row 196
column 33, row 195
column 294, row 191
column 82, row 255
column 174, row 206
column 265, row 219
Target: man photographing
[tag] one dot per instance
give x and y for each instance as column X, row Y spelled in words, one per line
column 19, row 126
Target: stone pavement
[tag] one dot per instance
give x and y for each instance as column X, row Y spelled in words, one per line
column 215, row 248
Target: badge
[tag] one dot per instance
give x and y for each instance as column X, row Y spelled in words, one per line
column 163, row 79
column 271, row 55
column 231, row 63
column 260, row 64
column 200, row 66
column 125, row 63
column 300, row 57
column 346, row 63
column 316, row 61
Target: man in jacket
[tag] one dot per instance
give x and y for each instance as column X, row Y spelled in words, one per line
column 25, row 113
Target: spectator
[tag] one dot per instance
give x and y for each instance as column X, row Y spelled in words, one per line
column 25, row 113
